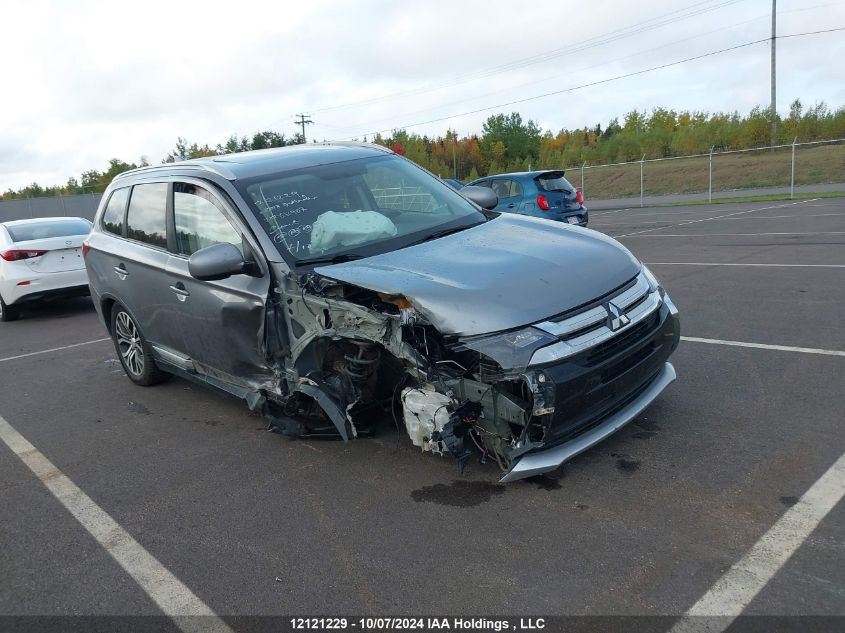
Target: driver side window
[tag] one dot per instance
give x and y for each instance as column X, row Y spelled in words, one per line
column 199, row 221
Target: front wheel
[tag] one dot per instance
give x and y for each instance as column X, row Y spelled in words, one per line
column 8, row 313
column 133, row 350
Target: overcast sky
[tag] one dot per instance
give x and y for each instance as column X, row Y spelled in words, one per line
column 84, row 82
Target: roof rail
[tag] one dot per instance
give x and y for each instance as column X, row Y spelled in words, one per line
column 382, row 148
column 188, row 164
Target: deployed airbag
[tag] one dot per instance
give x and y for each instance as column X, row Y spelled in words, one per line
column 332, row 230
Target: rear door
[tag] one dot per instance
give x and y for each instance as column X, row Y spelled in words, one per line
column 106, row 242
column 139, row 266
column 222, row 323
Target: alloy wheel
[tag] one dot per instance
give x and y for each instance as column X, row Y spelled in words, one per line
column 129, row 344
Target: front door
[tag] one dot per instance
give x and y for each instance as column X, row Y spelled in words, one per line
column 221, row 322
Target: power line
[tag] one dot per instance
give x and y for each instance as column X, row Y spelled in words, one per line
column 598, row 40
column 343, row 128
column 593, row 83
column 617, row 35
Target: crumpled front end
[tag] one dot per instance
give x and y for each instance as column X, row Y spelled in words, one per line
column 550, row 391
column 525, row 400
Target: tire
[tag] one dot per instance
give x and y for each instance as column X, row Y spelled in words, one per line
column 133, row 351
column 8, row 313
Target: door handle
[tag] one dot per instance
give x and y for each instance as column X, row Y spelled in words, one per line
column 511, row 205
column 121, row 272
column 181, row 292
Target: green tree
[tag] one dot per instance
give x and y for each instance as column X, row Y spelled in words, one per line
column 521, row 140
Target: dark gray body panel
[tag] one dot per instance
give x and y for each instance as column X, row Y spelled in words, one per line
column 221, row 324
column 508, row 272
column 213, row 328
column 141, row 287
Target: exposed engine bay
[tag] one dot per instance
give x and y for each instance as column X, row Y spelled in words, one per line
column 356, row 356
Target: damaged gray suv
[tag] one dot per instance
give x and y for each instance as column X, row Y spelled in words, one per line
column 338, row 287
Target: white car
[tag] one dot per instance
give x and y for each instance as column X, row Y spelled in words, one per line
column 41, row 259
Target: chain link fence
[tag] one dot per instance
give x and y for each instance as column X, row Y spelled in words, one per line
column 404, row 199
column 782, row 169
column 807, row 167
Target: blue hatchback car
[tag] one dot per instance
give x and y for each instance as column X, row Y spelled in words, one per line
column 544, row 194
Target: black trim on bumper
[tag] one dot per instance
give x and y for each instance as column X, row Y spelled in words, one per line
column 57, row 293
column 600, row 390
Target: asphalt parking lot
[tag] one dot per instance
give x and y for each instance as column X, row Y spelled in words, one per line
column 646, row 523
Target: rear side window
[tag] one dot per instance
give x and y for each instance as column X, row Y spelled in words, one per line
column 147, row 218
column 554, row 181
column 46, row 230
column 199, row 221
column 116, row 211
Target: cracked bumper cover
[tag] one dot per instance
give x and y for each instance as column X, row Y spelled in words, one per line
column 551, row 458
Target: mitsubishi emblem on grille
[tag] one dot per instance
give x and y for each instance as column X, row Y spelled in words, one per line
column 615, row 318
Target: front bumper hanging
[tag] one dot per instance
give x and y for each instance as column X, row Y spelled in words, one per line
column 551, row 458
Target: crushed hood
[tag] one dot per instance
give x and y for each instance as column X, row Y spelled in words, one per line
column 510, row 271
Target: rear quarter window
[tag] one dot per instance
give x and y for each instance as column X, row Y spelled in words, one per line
column 45, row 230
column 146, row 220
column 115, row 213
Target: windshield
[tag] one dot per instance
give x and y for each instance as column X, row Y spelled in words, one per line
column 358, row 208
column 44, row 230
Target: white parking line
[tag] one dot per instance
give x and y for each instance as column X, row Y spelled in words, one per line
column 167, row 591
column 718, row 217
column 55, row 349
column 792, row 217
column 738, row 264
column 735, row 590
column 729, row 234
column 611, row 211
column 779, row 348
column 609, row 225
column 646, row 213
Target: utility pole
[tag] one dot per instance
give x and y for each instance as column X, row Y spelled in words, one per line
column 774, row 110
column 454, row 162
column 303, row 121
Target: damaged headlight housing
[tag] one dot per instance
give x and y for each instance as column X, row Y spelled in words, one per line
column 511, row 350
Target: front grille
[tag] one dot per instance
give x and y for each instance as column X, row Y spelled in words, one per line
column 629, row 338
column 603, row 329
column 593, row 384
column 598, row 415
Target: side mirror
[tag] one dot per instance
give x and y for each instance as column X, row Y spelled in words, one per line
column 216, row 262
column 484, row 197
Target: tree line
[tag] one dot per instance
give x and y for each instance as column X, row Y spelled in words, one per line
column 508, row 143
